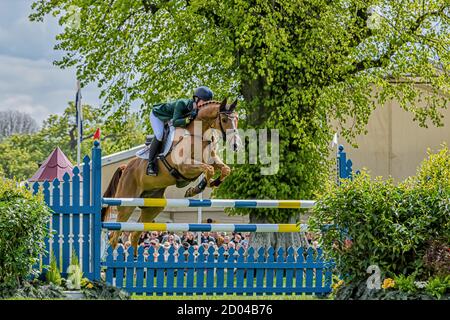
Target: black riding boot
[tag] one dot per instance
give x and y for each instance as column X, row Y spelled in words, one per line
column 152, row 168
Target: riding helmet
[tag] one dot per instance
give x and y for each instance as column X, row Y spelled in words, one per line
column 203, row 93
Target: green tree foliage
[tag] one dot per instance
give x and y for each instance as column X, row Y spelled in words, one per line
column 297, row 66
column 22, row 154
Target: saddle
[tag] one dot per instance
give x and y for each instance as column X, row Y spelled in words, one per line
column 150, row 137
column 166, row 147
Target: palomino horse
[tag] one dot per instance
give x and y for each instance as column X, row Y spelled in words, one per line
column 131, row 181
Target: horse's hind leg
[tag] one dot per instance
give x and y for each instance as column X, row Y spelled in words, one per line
column 123, row 216
column 147, row 216
column 127, row 187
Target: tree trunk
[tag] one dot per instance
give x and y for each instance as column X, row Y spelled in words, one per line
column 254, row 92
column 276, row 240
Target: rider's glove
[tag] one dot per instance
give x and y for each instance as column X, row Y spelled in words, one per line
column 193, row 114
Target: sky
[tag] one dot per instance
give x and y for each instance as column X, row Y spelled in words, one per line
column 29, row 82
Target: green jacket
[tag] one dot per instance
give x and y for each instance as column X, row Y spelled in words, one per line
column 178, row 111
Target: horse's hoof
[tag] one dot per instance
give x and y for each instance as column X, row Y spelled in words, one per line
column 215, row 183
column 191, row 192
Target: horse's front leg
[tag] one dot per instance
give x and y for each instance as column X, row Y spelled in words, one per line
column 194, row 169
column 224, row 171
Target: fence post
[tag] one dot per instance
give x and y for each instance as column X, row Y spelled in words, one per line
column 97, row 206
column 344, row 166
column 341, row 159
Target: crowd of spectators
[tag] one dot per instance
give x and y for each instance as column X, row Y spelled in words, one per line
column 235, row 240
column 166, row 240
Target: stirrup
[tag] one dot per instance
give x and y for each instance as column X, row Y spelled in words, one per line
column 150, row 172
column 151, row 169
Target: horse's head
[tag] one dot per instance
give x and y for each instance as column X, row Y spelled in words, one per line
column 227, row 122
column 222, row 117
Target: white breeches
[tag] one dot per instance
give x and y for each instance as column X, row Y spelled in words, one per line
column 157, row 126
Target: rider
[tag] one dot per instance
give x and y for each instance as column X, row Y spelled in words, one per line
column 180, row 112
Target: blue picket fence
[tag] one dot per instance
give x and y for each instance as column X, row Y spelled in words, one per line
column 76, row 219
column 222, row 272
column 76, row 228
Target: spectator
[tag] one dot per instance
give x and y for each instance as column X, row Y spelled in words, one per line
column 142, row 237
column 309, row 238
column 190, row 239
column 161, row 236
column 186, row 245
column 219, row 241
column 154, row 235
column 173, row 235
column 124, row 237
column 154, row 243
column 171, row 239
column 214, row 234
column 237, row 238
column 206, row 238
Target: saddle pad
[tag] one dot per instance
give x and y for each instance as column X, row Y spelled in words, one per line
column 143, row 153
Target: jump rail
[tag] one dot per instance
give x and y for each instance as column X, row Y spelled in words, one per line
column 213, row 203
column 204, row 227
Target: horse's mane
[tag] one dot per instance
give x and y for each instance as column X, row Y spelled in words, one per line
column 210, row 102
column 205, row 108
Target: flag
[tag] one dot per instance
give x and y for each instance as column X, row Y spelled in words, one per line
column 97, row 134
column 79, row 112
column 335, row 140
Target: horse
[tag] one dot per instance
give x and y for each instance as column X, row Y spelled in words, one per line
column 184, row 162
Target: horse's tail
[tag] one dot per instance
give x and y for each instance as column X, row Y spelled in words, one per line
column 111, row 190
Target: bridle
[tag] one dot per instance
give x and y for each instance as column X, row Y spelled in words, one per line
column 228, row 114
column 231, row 118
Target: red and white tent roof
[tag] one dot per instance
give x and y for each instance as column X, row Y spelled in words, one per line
column 55, row 166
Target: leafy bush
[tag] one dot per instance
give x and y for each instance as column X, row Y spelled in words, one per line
column 437, row 257
column 358, row 290
column 100, row 290
column 378, row 222
column 438, row 286
column 53, row 274
column 23, row 228
column 31, row 290
column 406, row 283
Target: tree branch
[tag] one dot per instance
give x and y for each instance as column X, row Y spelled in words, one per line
column 392, row 48
column 151, row 7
